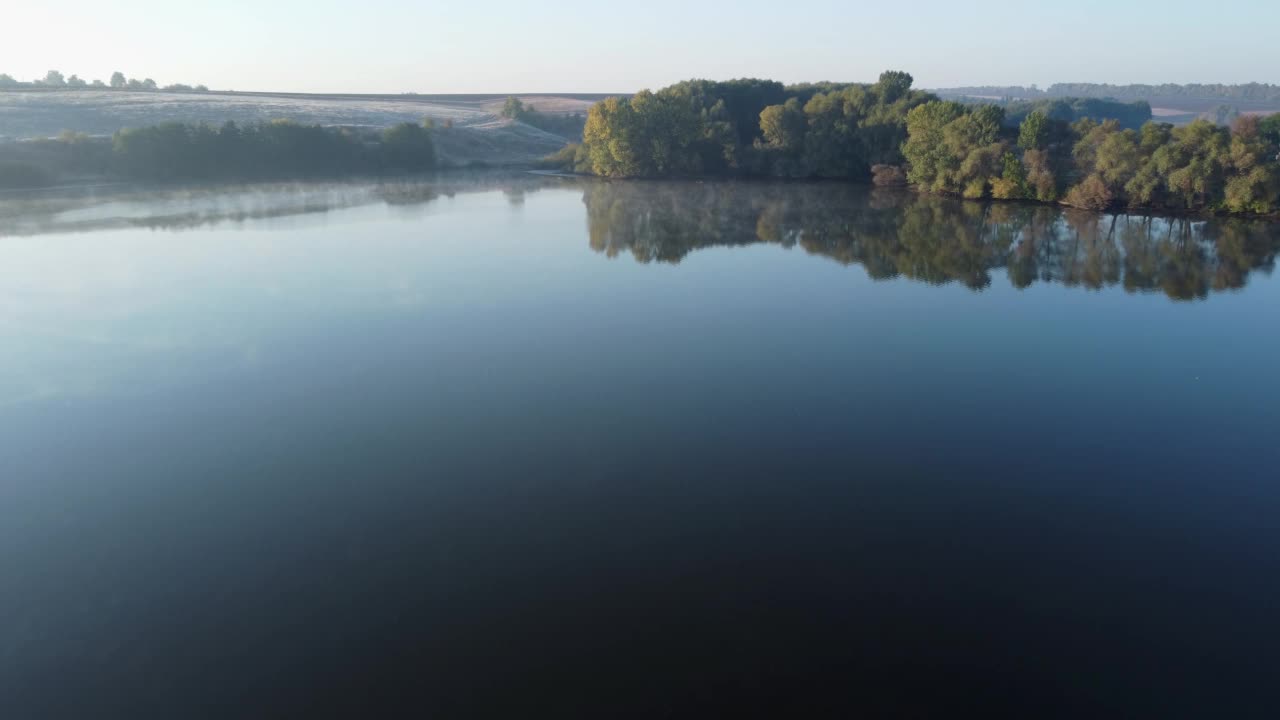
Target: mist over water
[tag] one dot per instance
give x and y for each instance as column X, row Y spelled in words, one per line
column 497, row 445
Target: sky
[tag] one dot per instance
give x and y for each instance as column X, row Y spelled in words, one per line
column 506, row 46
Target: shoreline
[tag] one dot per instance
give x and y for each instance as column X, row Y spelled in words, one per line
column 528, row 169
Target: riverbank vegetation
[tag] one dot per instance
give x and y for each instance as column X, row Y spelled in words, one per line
column 1085, row 153
column 566, row 125
column 178, row 151
column 965, row 150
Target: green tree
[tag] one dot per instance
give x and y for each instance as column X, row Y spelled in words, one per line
column 118, row 80
column 612, row 139
column 1192, row 164
column 1269, row 128
column 513, row 108
column 1012, row 183
column 1253, row 179
column 1089, row 134
column 783, row 126
column 1118, row 158
column 970, row 142
column 833, row 146
column 1107, row 158
column 893, row 84
column 670, row 129
column 930, row 161
column 1033, row 134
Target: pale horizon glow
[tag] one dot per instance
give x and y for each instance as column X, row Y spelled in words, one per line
column 502, row 46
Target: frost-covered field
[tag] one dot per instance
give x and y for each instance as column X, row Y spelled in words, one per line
column 479, row 133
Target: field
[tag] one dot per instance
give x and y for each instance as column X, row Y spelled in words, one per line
column 479, row 134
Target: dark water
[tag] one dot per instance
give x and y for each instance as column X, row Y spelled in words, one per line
column 529, row 447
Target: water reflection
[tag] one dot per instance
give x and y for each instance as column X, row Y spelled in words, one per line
column 170, row 208
column 890, row 234
column 367, row 434
column 936, row 240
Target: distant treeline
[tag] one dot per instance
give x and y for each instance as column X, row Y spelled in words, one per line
column 118, row 81
column 177, row 151
column 566, row 125
column 1248, row 92
column 1130, row 115
column 1048, row 151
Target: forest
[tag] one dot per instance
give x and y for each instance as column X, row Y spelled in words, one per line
column 749, row 127
column 965, row 150
column 1082, row 153
column 177, row 151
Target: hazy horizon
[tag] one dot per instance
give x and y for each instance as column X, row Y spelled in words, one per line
column 508, row 47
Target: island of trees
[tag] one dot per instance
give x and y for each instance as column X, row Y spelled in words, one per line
column 1055, row 152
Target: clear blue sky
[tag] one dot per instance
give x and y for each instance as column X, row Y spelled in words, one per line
column 600, row 46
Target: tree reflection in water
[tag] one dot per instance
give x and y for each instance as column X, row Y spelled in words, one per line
column 889, row 233
column 932, row 239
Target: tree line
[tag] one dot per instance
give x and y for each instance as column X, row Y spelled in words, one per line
column 180, row 151
column 1070, row 152
column 1129, row 114
column 118, row 81
column 953, row 148
column 1245, row 92
column 749, row 127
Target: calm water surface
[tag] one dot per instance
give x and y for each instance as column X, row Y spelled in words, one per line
column 536, row 447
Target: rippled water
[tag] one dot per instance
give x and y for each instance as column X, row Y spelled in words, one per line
column 525, row 446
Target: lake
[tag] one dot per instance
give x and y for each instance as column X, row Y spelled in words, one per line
column 524, row 446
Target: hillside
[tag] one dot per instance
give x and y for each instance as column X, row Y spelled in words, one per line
column 478, row 133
